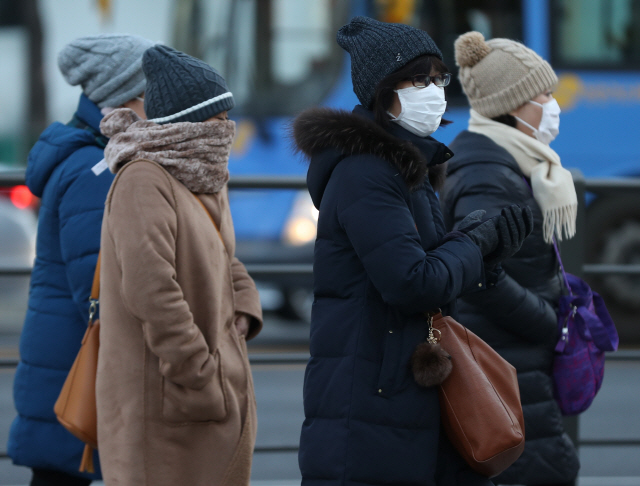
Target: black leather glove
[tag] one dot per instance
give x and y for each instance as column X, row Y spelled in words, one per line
column 499, row 237
column 513, row 226
column 483, row 233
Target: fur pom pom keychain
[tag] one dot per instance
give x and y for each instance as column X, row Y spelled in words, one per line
column 430, row 363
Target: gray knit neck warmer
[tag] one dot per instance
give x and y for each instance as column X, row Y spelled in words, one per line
column 197, row 154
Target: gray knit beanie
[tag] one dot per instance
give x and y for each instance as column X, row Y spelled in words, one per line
column 181, row 88
column 378, row 49
column 500, row 75
column 107, row 66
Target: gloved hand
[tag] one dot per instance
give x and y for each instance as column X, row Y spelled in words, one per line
column 513, row 226
column 499, row 237
column 483, row 233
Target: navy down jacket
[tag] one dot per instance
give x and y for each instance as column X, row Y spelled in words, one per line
column 378, row 267
column 68, row 241
column 516, row 316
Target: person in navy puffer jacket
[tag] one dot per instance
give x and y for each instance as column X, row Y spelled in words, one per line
column 502, row 158
column 382, row 260
column 64, row 170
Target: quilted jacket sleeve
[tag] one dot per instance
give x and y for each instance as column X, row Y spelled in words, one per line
column 508, row 302
column 377, row 220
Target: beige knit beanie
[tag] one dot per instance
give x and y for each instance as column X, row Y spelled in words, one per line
column 500, row 75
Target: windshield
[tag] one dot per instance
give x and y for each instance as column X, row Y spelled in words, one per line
column 278, row 56
column 596, row 34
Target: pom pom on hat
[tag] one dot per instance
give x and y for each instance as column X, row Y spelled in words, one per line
column 500, row 75
column 470, row 49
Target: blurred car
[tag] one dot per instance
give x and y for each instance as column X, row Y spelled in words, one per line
column 277, row 227
column 18, row 226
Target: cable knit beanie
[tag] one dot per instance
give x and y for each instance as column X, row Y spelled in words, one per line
column 378, row 49
column 107, row 66
column 181, row 88
column 500, row 75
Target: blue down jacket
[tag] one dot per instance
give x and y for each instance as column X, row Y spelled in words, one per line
column 516, row 316
column 59, row 172
column 378, row 267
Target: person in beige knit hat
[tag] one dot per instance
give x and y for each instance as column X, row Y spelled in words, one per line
column 504, row 158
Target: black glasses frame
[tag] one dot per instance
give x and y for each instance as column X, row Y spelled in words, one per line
column 424, row 80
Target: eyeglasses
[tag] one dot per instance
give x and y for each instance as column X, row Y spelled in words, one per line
column 424, row 80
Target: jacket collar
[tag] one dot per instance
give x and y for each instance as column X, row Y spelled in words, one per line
column 326, row 136
column 434, row 152
column 89, row 112
column 475, row 148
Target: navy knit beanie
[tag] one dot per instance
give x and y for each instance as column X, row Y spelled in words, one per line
column 378, row 49
column 181, row 88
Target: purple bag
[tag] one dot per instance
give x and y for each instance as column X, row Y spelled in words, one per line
column 586, row 332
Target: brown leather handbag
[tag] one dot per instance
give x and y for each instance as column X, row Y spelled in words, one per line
column 480, row 400
column 76, row 404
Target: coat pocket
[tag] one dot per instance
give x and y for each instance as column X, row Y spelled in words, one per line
column 182, row 405
column 388, row 378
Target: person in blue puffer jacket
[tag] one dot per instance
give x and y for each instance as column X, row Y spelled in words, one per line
column 64, row 169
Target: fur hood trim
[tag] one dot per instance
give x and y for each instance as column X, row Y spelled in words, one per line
column 197, row 154
column 317, row 129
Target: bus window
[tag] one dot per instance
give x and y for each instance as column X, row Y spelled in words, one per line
column 278, row 56
column 445, row 20
column 596, row 33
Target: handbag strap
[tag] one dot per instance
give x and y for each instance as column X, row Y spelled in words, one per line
column 564, row 273
column 211, row 218
column 94, row 299
column 95, row 288
column 555, row 247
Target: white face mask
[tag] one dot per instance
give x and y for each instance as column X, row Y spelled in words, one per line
column 422, row 109
column 549, row 123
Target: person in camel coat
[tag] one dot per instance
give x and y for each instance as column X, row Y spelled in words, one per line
column 63, row 170
column 175, row 395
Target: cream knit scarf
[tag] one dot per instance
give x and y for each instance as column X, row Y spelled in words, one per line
column 552, row 185
column 197, row 154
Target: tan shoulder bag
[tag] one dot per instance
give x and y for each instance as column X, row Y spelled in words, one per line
column 76, row 406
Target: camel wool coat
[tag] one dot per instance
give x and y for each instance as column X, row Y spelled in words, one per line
column 174, row 389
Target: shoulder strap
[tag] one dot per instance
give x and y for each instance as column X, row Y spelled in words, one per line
column 210, row 217
column 555, row 247
column 95, row 288
column 99, row 138
column 564, row 274
column 95, row 292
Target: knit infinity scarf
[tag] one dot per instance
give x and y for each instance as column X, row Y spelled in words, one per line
column 197, row 154
column 552, row 185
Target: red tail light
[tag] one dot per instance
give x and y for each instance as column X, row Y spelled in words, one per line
column 21, row 197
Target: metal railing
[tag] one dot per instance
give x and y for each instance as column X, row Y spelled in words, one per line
column 573, row 256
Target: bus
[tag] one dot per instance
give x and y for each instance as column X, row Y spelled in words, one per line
column 280, row 57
